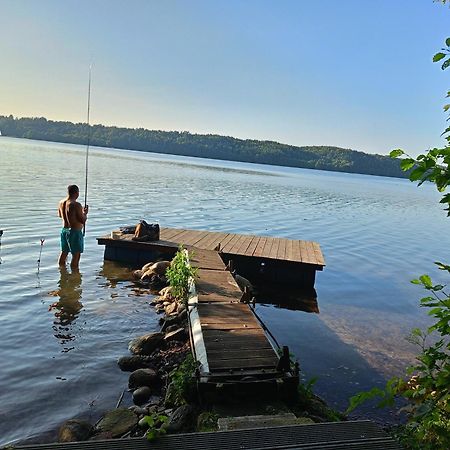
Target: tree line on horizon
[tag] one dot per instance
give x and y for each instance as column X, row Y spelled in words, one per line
column 210, row 146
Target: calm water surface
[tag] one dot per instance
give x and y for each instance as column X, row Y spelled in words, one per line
column 61, row 333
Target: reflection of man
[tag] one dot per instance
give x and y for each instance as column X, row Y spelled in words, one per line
column 69, row 292
column 74, row 217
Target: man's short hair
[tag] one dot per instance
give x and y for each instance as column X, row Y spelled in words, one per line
column 72, row 189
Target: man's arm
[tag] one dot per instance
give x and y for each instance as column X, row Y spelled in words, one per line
column 81, row 213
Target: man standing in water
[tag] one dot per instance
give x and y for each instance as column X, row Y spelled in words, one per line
column 74, row 217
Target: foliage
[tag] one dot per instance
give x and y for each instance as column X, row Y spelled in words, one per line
column 182, row 383
column 155, row 424
column 179, row 274
column 207, row 421
column 204, row 146
column 427, row 383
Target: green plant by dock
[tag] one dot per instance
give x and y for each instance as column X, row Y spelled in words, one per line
column 180, row 273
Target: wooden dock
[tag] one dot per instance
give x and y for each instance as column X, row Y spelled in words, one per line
column 270, row 258
column 229, row 341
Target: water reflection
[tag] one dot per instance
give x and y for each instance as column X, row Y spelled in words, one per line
column 288, row 297
column 68, row 306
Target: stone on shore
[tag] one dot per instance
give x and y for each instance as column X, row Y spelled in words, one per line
column 145, row 345
column 142, row 377
column 74, row 430
column 132, row 363
column 171, row 308
column 118, row 422
column 176, row 335
column 141, row 395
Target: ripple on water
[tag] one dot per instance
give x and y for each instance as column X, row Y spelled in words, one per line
column 61, row 336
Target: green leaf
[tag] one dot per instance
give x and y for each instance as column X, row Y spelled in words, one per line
column 446, row 64
column 406, row 164
column 438, row 56
column 447, row 42
column 426, row 280
column 417, row 173
column 396, row 153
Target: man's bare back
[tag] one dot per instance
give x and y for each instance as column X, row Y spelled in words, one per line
column 72, row 214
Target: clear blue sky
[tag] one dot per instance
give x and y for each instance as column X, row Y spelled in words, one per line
column 356, row 74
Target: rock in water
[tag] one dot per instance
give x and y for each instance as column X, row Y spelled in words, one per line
column 141, row 395
column 177, row 335
column 145, row 345
column 180, row 419
column 74, row 430
column 118, row 422
column 131, row 363
column 142, row 377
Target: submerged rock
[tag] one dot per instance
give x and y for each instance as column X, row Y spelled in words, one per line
column 142, row 377
column 145, row 345
column 141, row 395
column 132, row 363
column 118, row 422
column 75, row 430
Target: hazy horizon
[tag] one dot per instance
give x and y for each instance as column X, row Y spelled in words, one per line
column 352, row 75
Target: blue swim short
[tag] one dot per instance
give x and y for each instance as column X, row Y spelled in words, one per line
column 72, row 241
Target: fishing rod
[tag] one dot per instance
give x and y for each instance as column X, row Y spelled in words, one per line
column 88, row 142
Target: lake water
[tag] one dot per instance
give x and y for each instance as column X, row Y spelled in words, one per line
column 61, row 333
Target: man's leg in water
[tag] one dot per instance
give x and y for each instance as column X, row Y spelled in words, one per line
column 62, row 259
column 75, row 260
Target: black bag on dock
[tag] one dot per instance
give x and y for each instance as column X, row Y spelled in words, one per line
column 146, row 232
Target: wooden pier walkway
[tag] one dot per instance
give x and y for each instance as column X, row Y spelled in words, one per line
column 228, row 340
column 274, row 259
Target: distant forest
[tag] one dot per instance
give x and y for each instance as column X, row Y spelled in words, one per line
column 204, row 146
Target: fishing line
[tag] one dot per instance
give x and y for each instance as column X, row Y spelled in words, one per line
column 88, row 142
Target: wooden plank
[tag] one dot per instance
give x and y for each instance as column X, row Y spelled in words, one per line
column 194, row 237
column 231, row 242
column 238, row 353
column 290, row 250
column 265, row 252
column 218, row 238
column 242, row 250
column 174, row 235
column 303, row 252
column 259, row 248
column 244, row 363
column 252, row 247
column 206, row 259
column 217, row 281
column 274, row 248
column 167, row 233
column 310, row 250
column 225, row 313
column 318, row 253
column 198, row 236
column 240, row 238
column 205, row 241
column 282, row 249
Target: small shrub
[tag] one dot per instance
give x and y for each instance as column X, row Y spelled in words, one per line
column 180, row 274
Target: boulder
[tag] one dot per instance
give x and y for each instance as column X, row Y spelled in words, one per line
column 145, row 345
column 142, row 377
column 74, row 430
column 132, row 363
column 117, row 422
column 141, row 395
column 177, row 335
column 181, row 419
column 166, row 292
column 147, row 266
column 171, row 308
column 137, row 274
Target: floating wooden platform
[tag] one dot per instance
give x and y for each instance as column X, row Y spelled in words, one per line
column 351, row 435
column 273, row 259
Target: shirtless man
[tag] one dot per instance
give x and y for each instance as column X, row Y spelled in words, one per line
column 74, row 217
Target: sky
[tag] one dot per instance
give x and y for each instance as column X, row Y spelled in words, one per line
column 350, row 73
